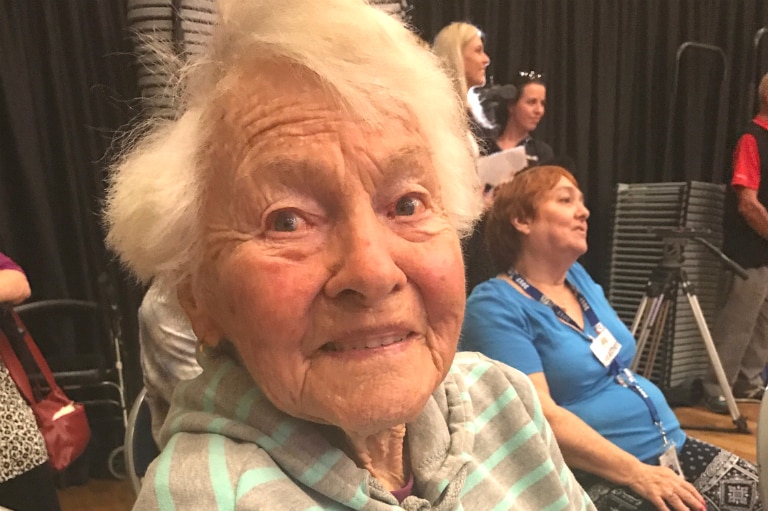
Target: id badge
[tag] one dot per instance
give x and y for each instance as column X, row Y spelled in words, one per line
column 669, row 459
column 605, row 347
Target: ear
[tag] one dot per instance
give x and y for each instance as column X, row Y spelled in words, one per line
column 206, row 329
column 523, row 225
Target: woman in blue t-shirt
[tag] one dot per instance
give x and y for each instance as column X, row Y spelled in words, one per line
column 548, row 318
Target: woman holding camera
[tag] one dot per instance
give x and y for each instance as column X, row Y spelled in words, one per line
column 517, row 115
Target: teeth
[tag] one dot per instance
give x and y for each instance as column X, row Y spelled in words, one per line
column 367, row 344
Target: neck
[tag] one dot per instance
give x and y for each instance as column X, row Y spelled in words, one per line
column 542, row 273
column 512, row 135
column 383, row 455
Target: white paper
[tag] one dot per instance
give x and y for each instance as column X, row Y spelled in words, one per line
column 502, row 166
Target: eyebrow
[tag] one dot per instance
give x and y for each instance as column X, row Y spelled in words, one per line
column 406, row 155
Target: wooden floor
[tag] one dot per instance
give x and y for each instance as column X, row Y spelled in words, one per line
column 742, row 444
column 98, row 495
column 112, row 495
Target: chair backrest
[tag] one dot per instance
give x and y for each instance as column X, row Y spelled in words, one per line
column 140, row 447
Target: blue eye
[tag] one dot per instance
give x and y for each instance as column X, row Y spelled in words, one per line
column 406, row 206
column 285, row 221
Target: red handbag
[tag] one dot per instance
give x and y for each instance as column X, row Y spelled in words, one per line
column 62, row 422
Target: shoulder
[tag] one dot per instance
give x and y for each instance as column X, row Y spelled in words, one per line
column 492, row 296
column 758, row 125
column 491, row 290
column 577, row 271
column 487, row 384
column 487, row 378
column 496, row 301
column 543, row 150
column 6, row 263
column 755, row 132
column 540, row 144
column 187, row 473
column 583, row 280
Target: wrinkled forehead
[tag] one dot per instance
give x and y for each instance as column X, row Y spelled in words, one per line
column 269, row 105
column 255, row 98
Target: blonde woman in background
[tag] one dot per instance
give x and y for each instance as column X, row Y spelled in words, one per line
column 461, row 49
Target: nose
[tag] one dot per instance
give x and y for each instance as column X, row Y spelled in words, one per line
column 363, row 265
column 486, row 59
column 583, row 211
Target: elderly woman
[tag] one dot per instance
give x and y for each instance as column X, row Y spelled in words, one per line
column 545, row 316
column 307, row 205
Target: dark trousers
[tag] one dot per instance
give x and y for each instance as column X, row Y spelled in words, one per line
column 34, row 490
column 727, row 482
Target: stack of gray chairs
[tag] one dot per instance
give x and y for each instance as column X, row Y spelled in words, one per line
column 637, row 249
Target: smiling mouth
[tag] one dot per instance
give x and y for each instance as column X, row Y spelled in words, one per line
column 364, row 344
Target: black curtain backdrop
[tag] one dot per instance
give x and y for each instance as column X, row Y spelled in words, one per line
column 621, row 102
column 66, row 86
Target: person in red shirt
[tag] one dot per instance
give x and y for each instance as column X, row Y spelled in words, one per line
column 741, row 327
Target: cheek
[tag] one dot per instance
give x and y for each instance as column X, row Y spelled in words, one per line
column 442, row 287
column 259, row 285
column 265, row 307
column 257, row 296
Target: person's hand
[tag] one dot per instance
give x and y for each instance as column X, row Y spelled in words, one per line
column 666, row 490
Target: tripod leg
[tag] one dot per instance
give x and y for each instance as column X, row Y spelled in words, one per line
column 658, row 331
column 709, row 344
column 648, row 313
column 639, row 315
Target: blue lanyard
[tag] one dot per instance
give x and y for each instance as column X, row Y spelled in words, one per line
column 537, row 295
column 619, row 371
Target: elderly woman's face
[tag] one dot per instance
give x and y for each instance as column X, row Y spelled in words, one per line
column 329, row 261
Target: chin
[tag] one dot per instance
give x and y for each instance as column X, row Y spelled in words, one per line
column 375, row 418
column 365, row 406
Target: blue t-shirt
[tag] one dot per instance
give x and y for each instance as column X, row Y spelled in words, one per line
column 508, row 326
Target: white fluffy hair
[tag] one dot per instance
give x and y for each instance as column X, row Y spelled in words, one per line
column 368, row 59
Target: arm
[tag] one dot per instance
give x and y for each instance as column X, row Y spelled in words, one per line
column 752, row 210
column 14, row 287
column 585, row 448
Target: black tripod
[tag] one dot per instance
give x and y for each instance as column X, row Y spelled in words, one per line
column 660, row 293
